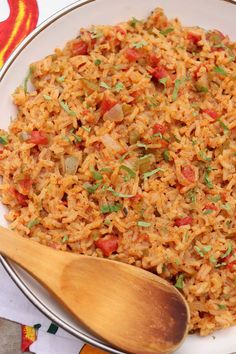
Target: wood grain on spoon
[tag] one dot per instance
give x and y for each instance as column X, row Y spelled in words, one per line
column 134, row 310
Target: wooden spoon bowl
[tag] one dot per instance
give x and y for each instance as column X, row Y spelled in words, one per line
column 134, row 310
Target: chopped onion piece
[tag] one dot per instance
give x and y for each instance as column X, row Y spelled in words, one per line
column 115, row 114
column 110, row 143
column 71, row 165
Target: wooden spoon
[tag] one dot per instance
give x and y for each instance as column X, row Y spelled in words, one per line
column 134, row 310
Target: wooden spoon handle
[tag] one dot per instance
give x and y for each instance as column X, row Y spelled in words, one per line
column 36, row 259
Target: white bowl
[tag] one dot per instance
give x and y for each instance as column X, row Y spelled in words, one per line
column 55, row 32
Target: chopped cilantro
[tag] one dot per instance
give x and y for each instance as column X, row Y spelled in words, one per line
column 4, row 140
column 192, row 195
column 223, row 125
column 134, row 22
column 178, row 83
column 202, row 154
column 108, row 208
column 213, row 260
column 77, row 138
column 207, row 180
column 60, row 79
column 226, row 206
column 104, row 85
column 65, row 239
column 118, row 194
column 119, row 87
column 222, row 306
column 180, row 282
column 151, row 173
column 96, row 175
column 228, row 252
column 163, row 81
column 166, row 155
column 123, row 157
column 97, row 62
column 107, row 222
column 87, row 129
column 91, row 188
column 143, row 223
column 166, row 31
column 220, row 70
column 131, row 173
column 215, row 199
column 140, row 44
column 47, row 97
column 66, row 108
column 202, row 251
column 207, row 211
column 32, row 223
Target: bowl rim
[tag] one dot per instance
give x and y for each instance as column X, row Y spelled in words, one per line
column 7, row 264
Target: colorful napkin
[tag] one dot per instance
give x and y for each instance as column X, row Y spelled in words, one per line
column 17, row 19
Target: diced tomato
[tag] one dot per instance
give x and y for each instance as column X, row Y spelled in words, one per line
column 159, row 128
column 217, row 49
column 230, row 265
column 135, row 94
column 230, row 260
column 132, row 54
column 136, row 198
column 153, row 60
column 120, row 30
column 22, row 199
column 213, row 114
column 107, row 104
column 189, row 173
column 159, row 72
column 80, row 48
column 107, row 245
column 143, row 237
column 26, row 184
column 188, row 220
column 38, row 137
column 194, row 37
column 223, row 196
column 210, row 206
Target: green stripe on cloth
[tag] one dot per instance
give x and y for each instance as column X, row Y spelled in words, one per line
column 52, row 328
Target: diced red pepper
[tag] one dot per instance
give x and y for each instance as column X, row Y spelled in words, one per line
column 210, row 206
column 230, row 265
column 213, row 114
column 194, row 37
column 159, row 72
column 38, row 137
column 22, row 199
column 159, row 128
column 132, row 54
column 189, row 173
column 79, row 48
column 228, row 260
column 153, row 60
column 188, row 220
column 217, row 49
column 107, row 104
column 26, row 184
column 107, row 245
column 136, row 198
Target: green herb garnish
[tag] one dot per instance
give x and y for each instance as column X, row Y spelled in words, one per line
column 220, row 70
column 134, row 22
column 96, row 175
column 202, row 251
column 60, row 79
column 140, row 44
column 91, row 188
column 166, row 155
column 178, row 83
column 118, row 194
column 180, row 282
column 66, row 108
column 65, row 239
column 166, row 31
column 97, row 62
column 119, row 87
column 192, row 195
column 215, row 199
column 108, row 208
column 104, row 85
column 32, row 223
column 151, row 173
column 213, row 260
column 221, row 306
column 223, row 125
column 4, row 140
column 131, row 172
column 207, row 211
column 31, row 69
column 226, row 206
column 77, row 138
column 207, row 180
column 163, row 81
column 87, row 129
column 47, row 97
column 143, row 223
column 202, row 154
column 123, row 157
column 228, row 252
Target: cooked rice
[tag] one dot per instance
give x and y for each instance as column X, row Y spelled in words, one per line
column 115, row 104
